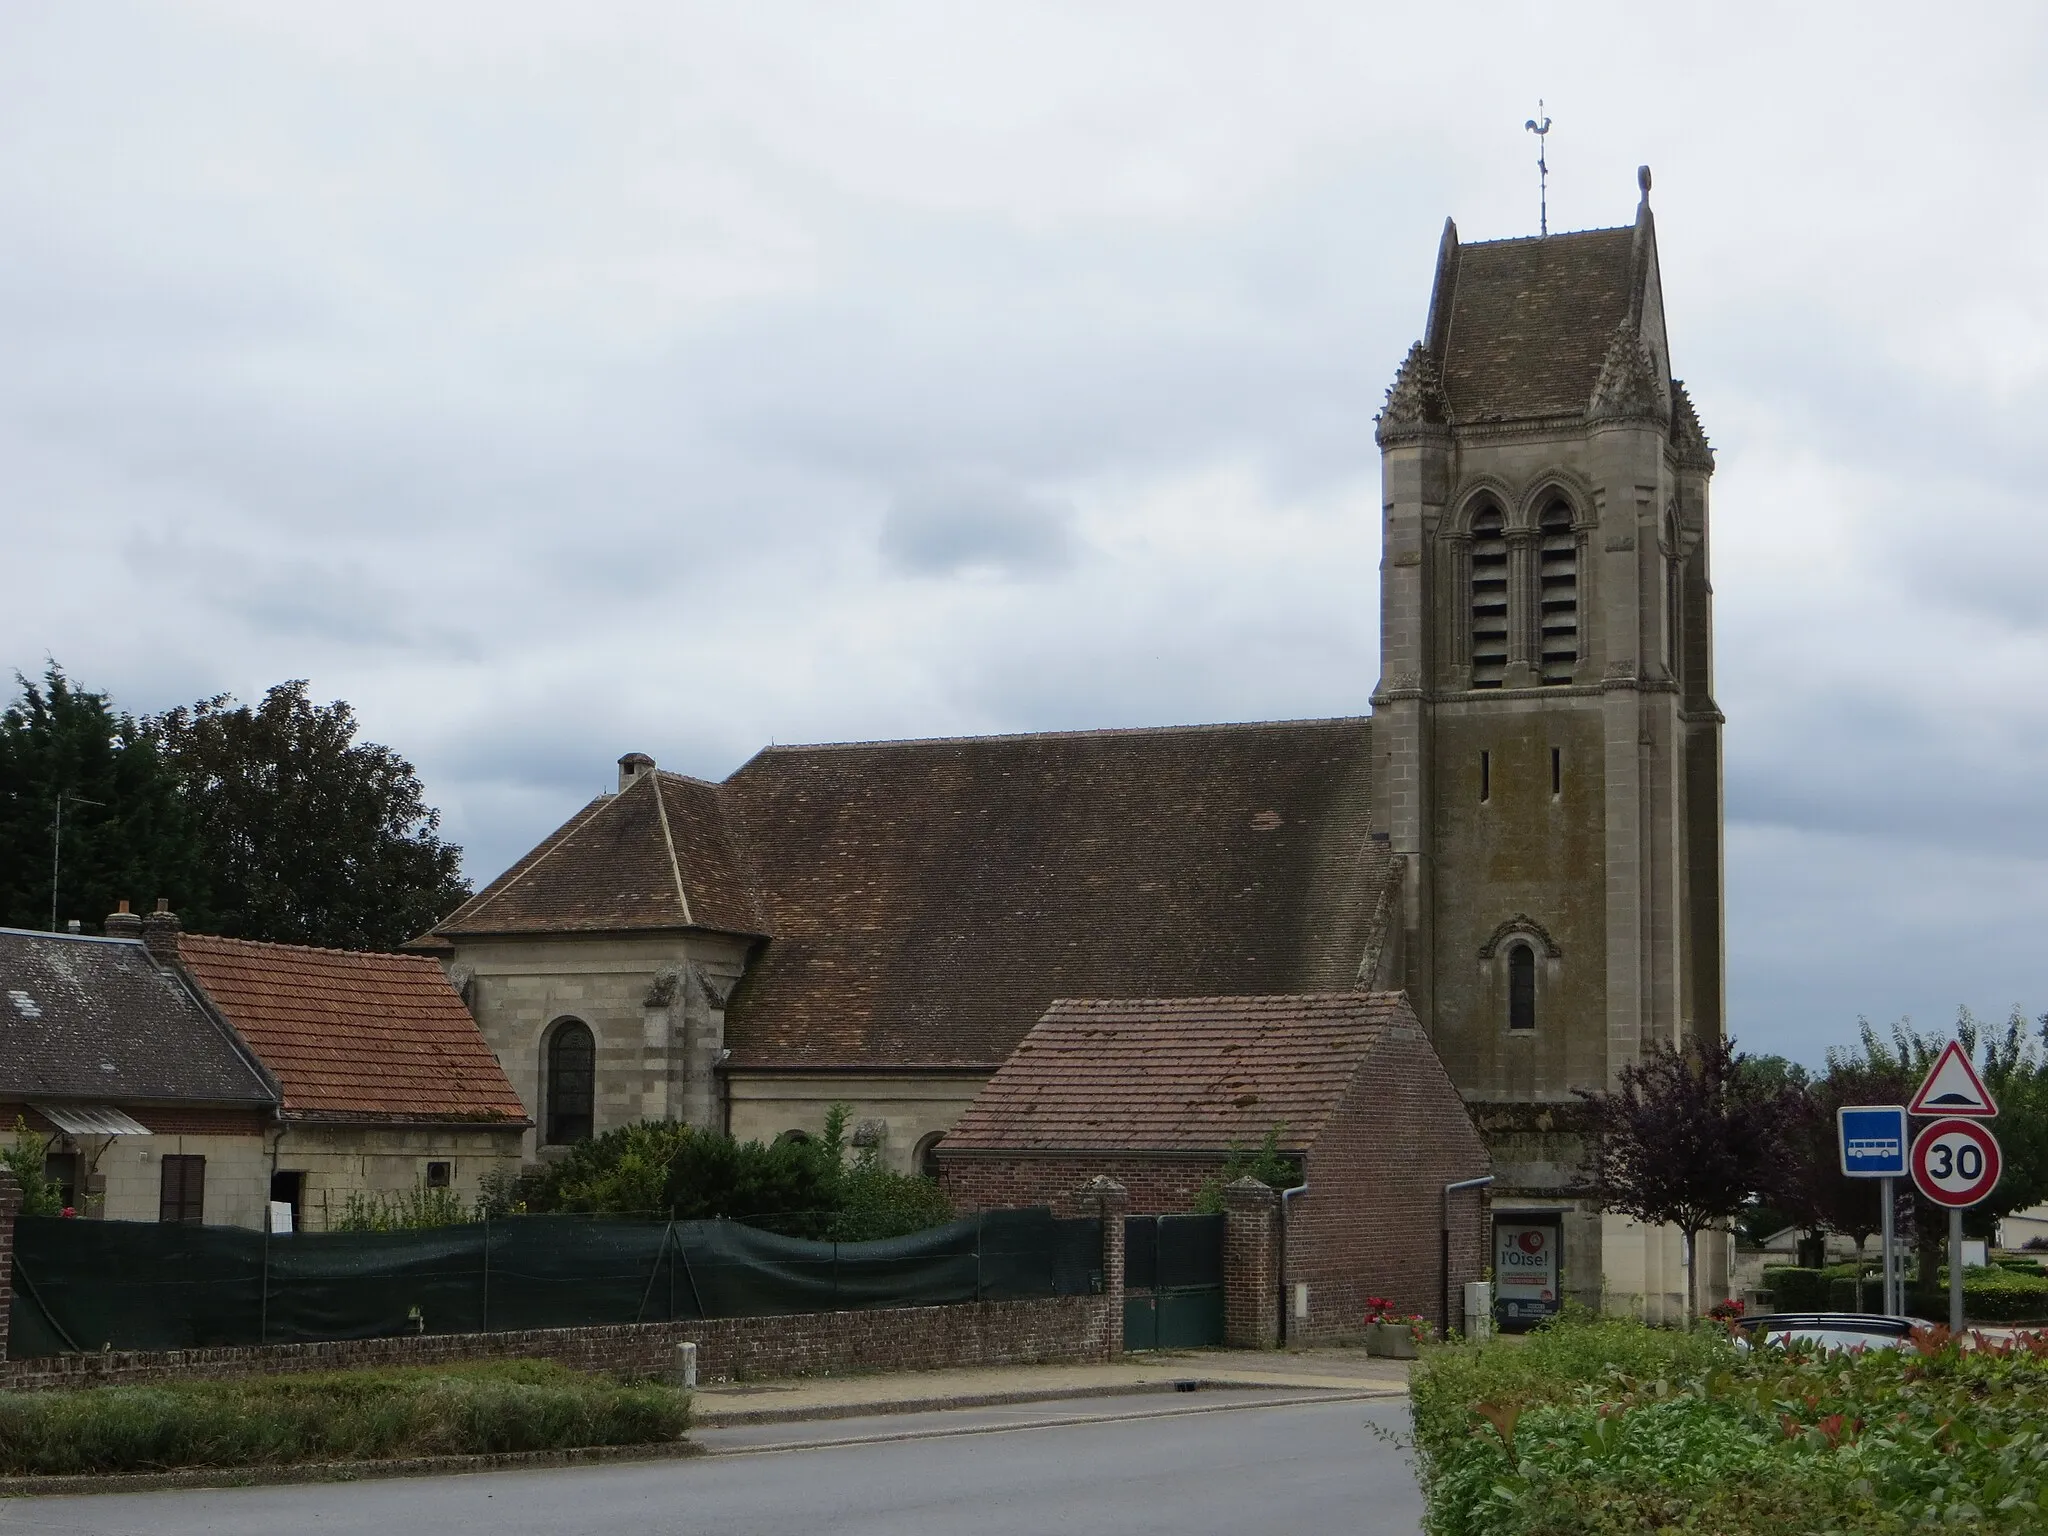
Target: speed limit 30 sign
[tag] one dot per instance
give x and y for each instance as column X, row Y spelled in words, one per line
column 1955, row 1162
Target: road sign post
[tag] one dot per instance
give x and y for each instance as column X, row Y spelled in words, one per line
column 1955, row 1270
column 1873, row 1146
column 1892, row 1304
column 1956, row 1163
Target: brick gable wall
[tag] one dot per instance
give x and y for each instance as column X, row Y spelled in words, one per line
column 1371, row 1221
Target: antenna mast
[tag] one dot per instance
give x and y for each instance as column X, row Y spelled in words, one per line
column 1540, row 126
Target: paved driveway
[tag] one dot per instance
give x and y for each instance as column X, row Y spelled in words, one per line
column 1311, row 1469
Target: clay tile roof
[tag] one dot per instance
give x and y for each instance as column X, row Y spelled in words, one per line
column 98, row 1019
column 657, row 855
column 354, row 1036
column 1198, row 1074
column 928, row 899
column 1530, row 321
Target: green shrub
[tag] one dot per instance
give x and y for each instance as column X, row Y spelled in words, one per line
column 799, row 1188
column 1265, row 1162
column 523, row 1405
column 39, row 1196
column 409, row 1210
column 1605, row 1427
column 1796, row 1290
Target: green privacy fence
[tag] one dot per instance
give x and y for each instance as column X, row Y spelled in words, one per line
column 87, row 1285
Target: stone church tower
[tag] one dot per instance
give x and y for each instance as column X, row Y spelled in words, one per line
column 1547, row 751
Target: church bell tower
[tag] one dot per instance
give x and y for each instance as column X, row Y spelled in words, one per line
column 1547, row 750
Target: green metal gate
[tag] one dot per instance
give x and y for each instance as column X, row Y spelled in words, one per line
column 1173, row 1281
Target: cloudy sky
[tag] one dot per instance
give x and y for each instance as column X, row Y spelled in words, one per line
column 553, row 381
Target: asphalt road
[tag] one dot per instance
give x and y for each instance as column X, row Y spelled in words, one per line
column 1188, row 1471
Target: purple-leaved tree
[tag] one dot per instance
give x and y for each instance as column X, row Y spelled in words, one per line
column 1686, row 1139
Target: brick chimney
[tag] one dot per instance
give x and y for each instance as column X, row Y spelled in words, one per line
column 160, row 933
column 632, row 767
column 123, row 924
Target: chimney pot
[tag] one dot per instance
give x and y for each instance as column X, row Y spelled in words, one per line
column 123, row 924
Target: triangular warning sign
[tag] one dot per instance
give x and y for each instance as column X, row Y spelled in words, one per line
column 1953, row 1088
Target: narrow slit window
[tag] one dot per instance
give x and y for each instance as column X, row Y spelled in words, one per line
column 1489, row 600
column 1521, row 987
column 1556, row 771
column 1485, row 777
column 1558, row 579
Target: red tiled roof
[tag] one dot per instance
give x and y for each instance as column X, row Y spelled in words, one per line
column 354, row 1036
column 1194, row 1074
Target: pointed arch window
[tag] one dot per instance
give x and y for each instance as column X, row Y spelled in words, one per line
column 1558, row 582
column 1521, row 987
column 572, row 1082
column 1489, row 599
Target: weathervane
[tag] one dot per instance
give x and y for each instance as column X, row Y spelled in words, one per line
column 1540, row 126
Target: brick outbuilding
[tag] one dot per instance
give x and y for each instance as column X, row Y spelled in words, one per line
column 1158, row 1092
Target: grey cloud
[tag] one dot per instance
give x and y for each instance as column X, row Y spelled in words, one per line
column 961, row 523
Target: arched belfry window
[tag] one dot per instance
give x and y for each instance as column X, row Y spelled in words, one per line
column 1521, row 987
column 572, row 1082
column 1489, row 599
column 1558, row 578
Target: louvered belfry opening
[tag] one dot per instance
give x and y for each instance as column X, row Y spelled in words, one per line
column 1489, row 599
column 1558, row 579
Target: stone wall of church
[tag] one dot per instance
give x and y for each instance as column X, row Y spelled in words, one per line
column 653, row 1004
column 893, row 1113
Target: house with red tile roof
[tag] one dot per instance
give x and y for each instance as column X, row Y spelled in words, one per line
column 385, row 1083
column 1344, row 1085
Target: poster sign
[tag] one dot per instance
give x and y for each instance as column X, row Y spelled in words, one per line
column 1527, row 1269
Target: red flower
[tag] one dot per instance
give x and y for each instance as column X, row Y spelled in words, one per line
column 69, row 1211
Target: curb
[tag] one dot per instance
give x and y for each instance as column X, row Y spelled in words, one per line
column 735, row 1418
column 849, row 1442
column 338, row 1471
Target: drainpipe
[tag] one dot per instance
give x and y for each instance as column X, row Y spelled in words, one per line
column 1444, row 1251
column 1286, row 1301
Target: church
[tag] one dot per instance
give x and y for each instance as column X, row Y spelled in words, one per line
column 1524, row 834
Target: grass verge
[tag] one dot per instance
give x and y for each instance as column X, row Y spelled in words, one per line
column 1597, row 1427
column 493, row 1408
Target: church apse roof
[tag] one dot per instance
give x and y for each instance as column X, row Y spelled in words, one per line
column 658, row 855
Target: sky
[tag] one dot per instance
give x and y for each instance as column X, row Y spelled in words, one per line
column 553, row 382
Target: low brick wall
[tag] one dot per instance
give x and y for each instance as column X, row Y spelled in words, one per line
column 1060, row 1330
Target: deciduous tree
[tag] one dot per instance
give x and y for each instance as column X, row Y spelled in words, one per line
column 1686, row 1139
column 310, row 836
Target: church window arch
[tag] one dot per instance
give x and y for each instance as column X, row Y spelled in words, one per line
column 1557, row 577
column 571, row 1083
column 1489, row 598
column 925, row 1160
column 1521, row 986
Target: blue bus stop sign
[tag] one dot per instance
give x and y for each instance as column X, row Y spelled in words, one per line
column 1873, row 1141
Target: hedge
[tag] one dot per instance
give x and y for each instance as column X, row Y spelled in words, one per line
column 1995, row 1294
column 521, row 1405
column 1599, row 1427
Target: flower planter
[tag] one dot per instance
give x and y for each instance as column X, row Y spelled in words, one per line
column 1391, row 1341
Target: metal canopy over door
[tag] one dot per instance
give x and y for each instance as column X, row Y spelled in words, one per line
column 1173, row 1281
